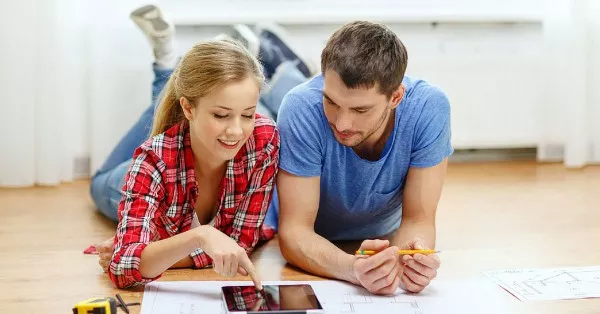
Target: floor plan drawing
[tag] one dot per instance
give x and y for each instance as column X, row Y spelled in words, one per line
column 363, row 302
column 550, row 283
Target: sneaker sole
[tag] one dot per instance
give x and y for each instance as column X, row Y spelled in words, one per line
column 159, row 27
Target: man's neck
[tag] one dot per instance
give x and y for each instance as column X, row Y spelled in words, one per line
column 373, row 146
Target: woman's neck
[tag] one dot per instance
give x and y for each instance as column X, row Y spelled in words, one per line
column 204, row 165
column 208, row 170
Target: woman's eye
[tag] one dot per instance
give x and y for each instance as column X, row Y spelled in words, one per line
column 219, row 116
column 248, row 117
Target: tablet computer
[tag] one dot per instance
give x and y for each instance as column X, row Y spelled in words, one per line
column 275, row 299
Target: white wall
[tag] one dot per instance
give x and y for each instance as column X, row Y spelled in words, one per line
column 302, row 12
column 571, row 96
column 489, row 72
column 593, row 83
column 19, row 103
column 43, row 108
column 75, row 68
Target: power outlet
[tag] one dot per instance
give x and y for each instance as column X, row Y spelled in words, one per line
column 81, row 167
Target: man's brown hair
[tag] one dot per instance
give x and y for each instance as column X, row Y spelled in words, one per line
column 366, row 54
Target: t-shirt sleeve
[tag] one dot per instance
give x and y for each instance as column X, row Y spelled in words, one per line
column 432, row 137
column 300, row 127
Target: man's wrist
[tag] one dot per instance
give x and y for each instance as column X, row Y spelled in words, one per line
column 347, row 266
column 411, row 229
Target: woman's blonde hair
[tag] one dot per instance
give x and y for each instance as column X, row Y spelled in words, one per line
column 205, row 68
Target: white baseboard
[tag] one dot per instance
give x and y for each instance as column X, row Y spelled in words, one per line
column 556, row 153
column 479, row 155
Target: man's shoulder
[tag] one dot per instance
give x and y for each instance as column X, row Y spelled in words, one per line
column 420, row 92
column 306, row 95
column 311, row 88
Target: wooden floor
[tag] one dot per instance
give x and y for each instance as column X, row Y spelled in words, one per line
column 491, row 216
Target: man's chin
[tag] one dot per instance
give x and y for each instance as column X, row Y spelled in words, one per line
column 349, row 142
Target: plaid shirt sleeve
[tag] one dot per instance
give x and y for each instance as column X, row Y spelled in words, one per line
column 138, row 219
column 252, row 209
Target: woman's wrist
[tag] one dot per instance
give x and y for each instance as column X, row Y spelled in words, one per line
column 200, row 236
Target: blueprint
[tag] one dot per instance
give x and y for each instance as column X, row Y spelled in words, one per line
column 549, row 283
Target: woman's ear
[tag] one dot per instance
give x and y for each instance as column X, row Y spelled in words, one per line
column 397, row 96
column 187, row 108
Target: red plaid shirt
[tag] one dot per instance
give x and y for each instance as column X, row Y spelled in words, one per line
column 160, row 192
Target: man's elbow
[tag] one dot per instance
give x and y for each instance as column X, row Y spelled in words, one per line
column 289, row 238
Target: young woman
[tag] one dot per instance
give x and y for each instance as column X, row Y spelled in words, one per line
column 196, row 193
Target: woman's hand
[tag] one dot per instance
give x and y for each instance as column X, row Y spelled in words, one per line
column 228, row 257
column 105, row 251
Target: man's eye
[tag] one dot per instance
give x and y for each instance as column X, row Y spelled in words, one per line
column 330, row 104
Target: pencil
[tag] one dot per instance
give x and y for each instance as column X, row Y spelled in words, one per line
column 400, row 252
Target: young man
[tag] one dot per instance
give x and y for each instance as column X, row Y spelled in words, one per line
column 363, row 156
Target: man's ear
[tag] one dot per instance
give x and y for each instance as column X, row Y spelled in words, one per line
column 186, row 107
column 397, row 96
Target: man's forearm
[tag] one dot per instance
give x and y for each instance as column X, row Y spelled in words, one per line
column 410, row 229
column 315, row 254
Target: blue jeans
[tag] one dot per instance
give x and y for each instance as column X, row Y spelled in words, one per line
column 107, row 183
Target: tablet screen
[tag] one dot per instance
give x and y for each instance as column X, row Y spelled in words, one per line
column 274, row 298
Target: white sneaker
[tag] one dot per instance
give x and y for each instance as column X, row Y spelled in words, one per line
column 159, row 32
column 151, row 21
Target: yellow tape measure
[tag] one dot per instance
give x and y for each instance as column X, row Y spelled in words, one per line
column 101, row 306
column 96, row 306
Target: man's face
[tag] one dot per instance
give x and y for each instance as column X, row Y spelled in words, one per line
column 354, row 115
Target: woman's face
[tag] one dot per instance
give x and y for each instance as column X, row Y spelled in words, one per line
column 222, row 121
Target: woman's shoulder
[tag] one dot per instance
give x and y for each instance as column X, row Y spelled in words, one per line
column 167, row 146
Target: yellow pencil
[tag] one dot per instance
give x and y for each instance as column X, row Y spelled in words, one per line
column 400, row 252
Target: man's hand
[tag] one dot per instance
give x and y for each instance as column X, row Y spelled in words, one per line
column 105, row 251
column 418, row 270
column 379, row 273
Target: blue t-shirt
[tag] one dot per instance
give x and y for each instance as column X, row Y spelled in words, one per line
column 360, row 198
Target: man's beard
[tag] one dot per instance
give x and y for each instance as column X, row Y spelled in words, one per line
column 372, row 131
